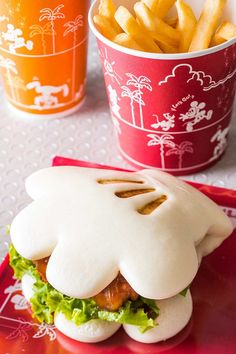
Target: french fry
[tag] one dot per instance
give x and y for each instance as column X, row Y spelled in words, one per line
column 151, row 4
column 130, row 26
column 216, row 40
column 163, row 7
column 166, row 48
column 107, row 9
column 172, row 21
column 157, row 29
column 207, row 24
column 159, row 7
column 225, row 32
column 127, row 41
column 105, row 26
column 186, row 25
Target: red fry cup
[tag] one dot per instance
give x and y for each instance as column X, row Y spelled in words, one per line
column 170, row 111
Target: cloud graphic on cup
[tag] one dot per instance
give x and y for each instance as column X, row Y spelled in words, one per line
column 187, row 71
column 94, row 223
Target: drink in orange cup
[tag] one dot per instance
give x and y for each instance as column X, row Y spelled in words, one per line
column 43, row 49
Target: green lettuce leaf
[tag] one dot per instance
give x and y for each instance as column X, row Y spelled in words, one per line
column 21, row 265
column 130, row 313
column 184, row 292
column 47, row 300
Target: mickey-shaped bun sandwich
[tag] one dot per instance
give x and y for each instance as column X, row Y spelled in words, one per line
column 98, row 249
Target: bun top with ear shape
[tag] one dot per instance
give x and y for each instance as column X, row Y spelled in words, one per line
column 93, row 223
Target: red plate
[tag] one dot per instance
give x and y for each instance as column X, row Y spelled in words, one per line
column 212, row 329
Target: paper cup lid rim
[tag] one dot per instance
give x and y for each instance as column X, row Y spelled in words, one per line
column 148, row 55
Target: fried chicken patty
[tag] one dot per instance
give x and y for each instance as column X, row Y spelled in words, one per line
column 111, row 298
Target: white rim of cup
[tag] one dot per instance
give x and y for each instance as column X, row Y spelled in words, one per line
column 148, row 55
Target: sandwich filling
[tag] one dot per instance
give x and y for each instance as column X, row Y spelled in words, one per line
column 111, row 298
column 118, row 302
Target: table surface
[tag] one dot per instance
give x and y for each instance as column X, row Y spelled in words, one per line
column 26, row 146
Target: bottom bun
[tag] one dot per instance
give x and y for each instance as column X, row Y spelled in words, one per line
column 174, row 315
column 27, row 284
column 90, row 332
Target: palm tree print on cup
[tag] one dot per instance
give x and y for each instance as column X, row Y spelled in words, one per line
column 42, row 31
column 140, row 83
column 72, row 27
column 180, row 150
column 52, row 16
column 134, row 96
column 162, row 141
column 10, row 67
column 19, row 85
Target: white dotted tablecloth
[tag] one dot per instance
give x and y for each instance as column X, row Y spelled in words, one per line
column 26, row 146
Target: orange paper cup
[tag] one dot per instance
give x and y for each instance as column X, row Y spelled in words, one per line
column 43, row 52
